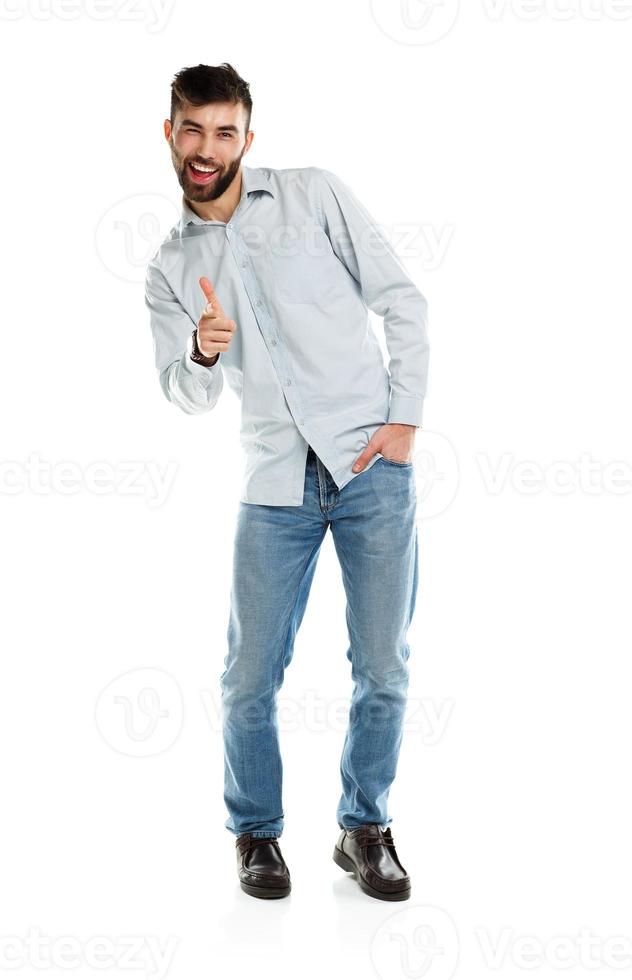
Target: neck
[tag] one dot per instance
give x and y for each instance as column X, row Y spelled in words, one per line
column 223, row 207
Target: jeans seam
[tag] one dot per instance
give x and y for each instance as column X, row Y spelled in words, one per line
column 279, row 766
column 294, row 601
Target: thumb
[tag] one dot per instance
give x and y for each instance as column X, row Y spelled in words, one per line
column 365, row 457
column 211, row 296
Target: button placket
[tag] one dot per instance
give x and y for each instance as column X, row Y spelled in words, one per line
column 264, row 324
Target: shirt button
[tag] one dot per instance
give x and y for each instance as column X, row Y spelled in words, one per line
column 288, row 381
column 273, row 342
column 244, row 265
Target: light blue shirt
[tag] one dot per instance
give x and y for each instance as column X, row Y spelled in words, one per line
column 297, row 267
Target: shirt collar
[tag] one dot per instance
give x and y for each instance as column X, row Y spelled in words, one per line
column 252, row 179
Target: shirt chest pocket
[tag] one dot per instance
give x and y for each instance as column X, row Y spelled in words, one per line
column 305, row 270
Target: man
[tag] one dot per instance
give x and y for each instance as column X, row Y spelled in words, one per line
column 267, row 278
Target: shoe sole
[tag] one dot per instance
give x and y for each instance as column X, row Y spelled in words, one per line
column 265, row 891
column 347, row 864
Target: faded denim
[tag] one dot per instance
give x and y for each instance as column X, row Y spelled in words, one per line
column 373, row 523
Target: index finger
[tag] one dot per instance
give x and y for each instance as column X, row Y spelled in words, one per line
column 211, row 295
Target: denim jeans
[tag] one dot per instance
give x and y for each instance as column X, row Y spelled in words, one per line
column 373, row 523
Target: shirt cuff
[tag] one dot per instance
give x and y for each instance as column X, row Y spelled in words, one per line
column 406, row 409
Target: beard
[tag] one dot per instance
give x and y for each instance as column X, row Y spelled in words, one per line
column 199, row 192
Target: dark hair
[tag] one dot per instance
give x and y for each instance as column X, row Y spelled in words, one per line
column 209, row 83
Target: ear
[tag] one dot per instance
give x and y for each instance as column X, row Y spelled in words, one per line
column 167, row 128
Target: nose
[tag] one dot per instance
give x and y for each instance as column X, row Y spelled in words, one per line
column 206, row 149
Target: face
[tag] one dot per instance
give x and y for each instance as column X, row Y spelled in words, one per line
column 211, row 138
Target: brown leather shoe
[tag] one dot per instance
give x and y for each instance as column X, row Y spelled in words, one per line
column 261, row 868
column 369, row 854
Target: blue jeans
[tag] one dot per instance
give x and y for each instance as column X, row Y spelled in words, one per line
column 373, row 523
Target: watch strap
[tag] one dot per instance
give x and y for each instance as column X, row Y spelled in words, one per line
column 197, row 355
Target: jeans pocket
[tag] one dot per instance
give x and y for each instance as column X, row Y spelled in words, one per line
column 396, row 462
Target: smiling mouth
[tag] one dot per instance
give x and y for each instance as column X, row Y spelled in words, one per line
column 202, row 176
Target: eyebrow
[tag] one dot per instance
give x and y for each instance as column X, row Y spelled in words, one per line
column 192, row 122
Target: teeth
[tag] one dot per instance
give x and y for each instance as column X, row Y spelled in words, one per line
column 207, row 170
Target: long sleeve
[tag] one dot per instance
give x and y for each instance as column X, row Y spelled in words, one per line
column 192, row 387
column 386, row 289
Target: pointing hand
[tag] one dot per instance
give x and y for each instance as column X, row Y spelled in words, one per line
column 214, row 330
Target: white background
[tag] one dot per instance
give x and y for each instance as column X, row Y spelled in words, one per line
column 500, row 134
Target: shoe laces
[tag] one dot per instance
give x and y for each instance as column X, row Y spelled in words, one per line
column 384, row 838
column 246, row 841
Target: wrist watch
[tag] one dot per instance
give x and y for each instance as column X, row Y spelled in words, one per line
column 197, row 355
